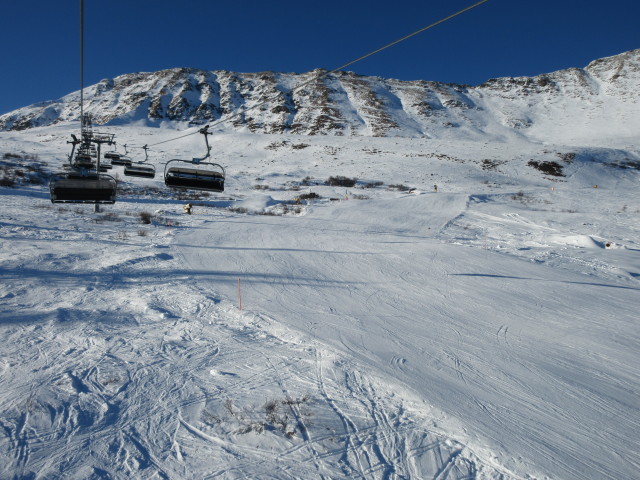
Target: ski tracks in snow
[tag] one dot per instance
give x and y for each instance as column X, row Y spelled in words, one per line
column 137, row 372
column 141, row 369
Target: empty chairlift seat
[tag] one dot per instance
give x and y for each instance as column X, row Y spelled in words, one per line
column 140, row 170
column 121, row 160
column 82, row 188
column 204, row 176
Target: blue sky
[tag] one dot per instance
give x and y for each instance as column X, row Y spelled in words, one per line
column 40, row 53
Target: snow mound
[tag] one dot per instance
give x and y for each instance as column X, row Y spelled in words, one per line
column 257, row 203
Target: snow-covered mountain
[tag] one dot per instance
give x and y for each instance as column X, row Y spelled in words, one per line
column 602, row 98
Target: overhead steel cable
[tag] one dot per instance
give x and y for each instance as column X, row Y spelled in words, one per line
column 324, row 74
column 407, row 37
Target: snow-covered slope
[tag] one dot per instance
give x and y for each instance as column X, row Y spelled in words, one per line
column 488, row 330
column 601, row 100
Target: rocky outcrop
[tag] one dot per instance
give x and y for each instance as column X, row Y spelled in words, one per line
column 342, row 103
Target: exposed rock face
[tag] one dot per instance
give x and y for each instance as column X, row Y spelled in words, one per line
column 345, row 103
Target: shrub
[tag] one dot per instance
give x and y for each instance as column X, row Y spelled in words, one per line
column 567, row 157
column 550, row 168
column 7, row 182
column 309, row 196
column 35, row 180
column 308, row 181
column 340, row 181
column 146, row 217
column 522, row 198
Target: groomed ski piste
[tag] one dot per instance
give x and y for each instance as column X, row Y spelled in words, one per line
column 289, row 329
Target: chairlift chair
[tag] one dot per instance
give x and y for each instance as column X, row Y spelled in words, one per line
column 120, row 159
column 83, row 160
column 205, row 176
column 82, row 184
column 112, row 154
column 82, row 187
column 200, row 178
column 140, row 169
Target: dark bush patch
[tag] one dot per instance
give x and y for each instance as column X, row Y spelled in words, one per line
column 308, row 181
column 340, row 181
column 549, row 168
column 523, row 198
column 567, row 157
column 146, row 217
column 7, row 182
column 280, row 109
column 309, row 196
column 627, row 164
column 488, row 164
column 276, row 145
column 20, row 173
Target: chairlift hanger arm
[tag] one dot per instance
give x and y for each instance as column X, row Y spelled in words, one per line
column 205, row 131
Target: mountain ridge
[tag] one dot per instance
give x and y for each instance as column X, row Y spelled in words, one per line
column 605, row 94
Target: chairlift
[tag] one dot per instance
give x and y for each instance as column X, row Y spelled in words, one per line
column 205, row 176
column 83, row 184
column 82, row 187
column 112, row 154
column 83, row 160
column 141, row 169
column 119, row 159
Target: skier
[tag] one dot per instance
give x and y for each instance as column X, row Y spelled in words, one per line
column 187, row 208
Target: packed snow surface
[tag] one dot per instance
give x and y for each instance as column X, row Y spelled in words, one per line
column 290, row 329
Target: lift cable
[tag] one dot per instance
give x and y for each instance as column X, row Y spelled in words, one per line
column 324, row 74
